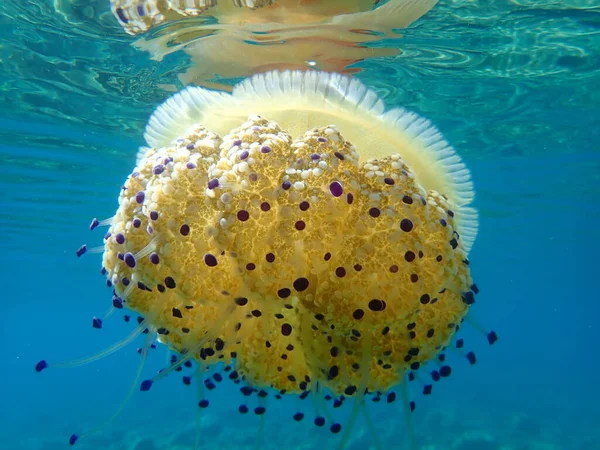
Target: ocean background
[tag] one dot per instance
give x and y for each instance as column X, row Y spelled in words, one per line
column 513, row 85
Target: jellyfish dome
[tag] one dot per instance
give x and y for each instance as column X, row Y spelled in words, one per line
column 300, row 234
column 299, row 228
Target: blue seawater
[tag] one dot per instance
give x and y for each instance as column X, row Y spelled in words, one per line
column 513, row 85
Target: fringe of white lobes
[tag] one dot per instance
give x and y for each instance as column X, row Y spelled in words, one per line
column 299, row 101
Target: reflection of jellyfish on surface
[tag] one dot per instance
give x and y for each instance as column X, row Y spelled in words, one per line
column 233, row 39
column 299, row 237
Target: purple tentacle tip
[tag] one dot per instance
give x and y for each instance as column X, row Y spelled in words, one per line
column 94, row 224
column 146, row 385
column 81, row 250
column 73, row 439
column 96, row 322
column 41, row 365
column 117, row 302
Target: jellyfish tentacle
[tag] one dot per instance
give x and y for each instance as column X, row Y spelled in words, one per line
column 491, row 335
column 190, row 354
column 132, row 389
column 199, row 397
column 102, row 354
column 365, row 365
column 371, row 427
column 261, row 424
column 408, row 408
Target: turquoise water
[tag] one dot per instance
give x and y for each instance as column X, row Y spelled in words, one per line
column 514, row 86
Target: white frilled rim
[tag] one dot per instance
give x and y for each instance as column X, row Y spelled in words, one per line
column 299, row 101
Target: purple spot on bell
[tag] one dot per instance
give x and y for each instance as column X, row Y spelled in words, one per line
column 265, row 149
column 244, row 155
column 243, row 215
column 41, row 365
column 136, row 223
column 237, row 142
column 336, row 189
column 154, row 259
column 158, row 169
column 120, row 256
column 120, row 238
column 74, row 437
column 134, row 174
column 210, row 260
column 96, row 322
column 149, row 229
column 286, row 185
column 315, row 156
column 140, row 10
column 153, row 215
column 125, row 281
column 81, row 250
column 140, row 196
column 322, row 139
column 130, row 260
column 190, row 165
column 190, row 146
column 184, row 230
column 212, row 184
column 94, row 224
column 146, row 385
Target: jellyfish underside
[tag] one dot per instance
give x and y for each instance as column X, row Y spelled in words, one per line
column 306, row 257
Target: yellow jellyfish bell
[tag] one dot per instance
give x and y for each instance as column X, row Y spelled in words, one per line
column 300, row 227
column 298, row 232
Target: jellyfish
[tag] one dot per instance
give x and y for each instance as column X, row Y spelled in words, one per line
column 233, row 39
column 300, row 235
